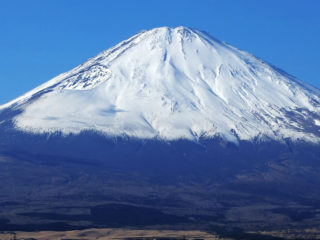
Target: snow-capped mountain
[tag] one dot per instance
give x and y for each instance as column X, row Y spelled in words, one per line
column 172, row 83
column 172, row 120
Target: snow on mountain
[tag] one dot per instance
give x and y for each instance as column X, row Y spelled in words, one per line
column 172, row 83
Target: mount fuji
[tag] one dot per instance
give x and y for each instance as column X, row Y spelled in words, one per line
column 169, row 84
column 171, row 125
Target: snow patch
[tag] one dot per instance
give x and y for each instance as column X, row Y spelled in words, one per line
column 86, row 79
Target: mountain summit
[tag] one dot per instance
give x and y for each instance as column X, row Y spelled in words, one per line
column 172, row 83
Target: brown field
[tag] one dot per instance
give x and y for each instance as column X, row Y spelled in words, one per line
column 312, row 234
column 108, row 233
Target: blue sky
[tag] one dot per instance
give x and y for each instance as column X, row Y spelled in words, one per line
column 41, row 39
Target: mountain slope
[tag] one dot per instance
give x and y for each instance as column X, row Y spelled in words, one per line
column 173, row 83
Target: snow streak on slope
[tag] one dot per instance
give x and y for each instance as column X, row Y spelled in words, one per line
column 173, row 83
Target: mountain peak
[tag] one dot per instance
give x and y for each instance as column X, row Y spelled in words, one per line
column 169, row 30
column 173, row 83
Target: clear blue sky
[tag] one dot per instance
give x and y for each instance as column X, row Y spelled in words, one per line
column 41, row 39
